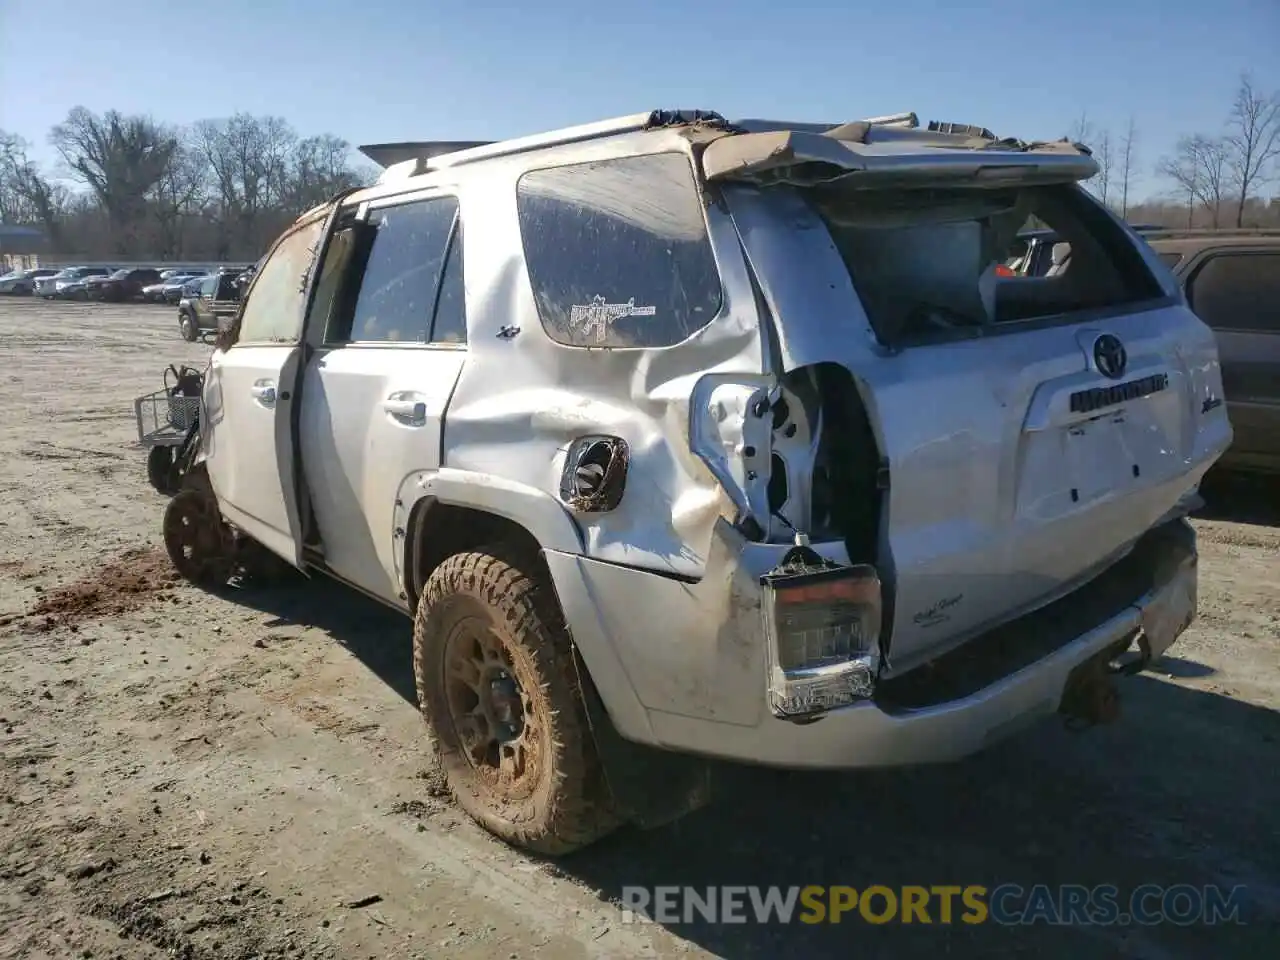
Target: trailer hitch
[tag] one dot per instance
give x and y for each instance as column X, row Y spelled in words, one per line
column 1090, row 697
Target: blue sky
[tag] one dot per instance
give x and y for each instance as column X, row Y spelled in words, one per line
column 450, row 69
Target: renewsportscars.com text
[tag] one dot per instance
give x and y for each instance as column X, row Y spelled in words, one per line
column 1005, row 904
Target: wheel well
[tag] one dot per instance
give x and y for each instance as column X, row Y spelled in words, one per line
column 439, row 530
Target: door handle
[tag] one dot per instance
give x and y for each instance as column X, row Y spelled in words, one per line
column 412, row 413
column 264, row 391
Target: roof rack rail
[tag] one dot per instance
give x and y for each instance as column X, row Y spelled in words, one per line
column 634, row 123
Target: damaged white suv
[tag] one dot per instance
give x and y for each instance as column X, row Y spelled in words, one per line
column 685, row 440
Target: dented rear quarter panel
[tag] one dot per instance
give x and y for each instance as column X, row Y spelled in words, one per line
column 521, row 400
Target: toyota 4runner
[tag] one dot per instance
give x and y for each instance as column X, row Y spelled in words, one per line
column 684, row 440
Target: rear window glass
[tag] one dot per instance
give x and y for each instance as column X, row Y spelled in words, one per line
column 618, row 253
column 1238, row 291
column 923, row 260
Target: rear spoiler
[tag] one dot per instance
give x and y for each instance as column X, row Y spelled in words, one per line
column 859, row 152
column 389, row 154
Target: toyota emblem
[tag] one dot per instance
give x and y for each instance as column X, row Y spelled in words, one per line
column 1109, row 356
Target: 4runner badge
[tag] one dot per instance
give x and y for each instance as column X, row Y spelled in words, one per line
column 598, row 315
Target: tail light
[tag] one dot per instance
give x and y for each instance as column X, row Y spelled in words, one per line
column 822, row 622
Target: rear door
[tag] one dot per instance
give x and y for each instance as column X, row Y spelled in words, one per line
column 249, row 401
column 389, row 329
column 1236, row 291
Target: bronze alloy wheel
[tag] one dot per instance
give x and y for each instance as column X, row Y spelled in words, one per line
column 498, row 686
column 494, row 718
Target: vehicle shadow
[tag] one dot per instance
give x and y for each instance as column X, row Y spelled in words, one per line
column 1182, row 790
column 1166, row 796
column 380, row 638
column 1240, row 498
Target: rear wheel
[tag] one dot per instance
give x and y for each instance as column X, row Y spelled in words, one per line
column 200, row 545
column 498, row 687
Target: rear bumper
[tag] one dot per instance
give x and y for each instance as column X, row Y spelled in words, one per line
column 967, row 700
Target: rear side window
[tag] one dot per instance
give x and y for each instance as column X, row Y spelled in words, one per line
column 402, row 272
column 618, row 252
column 1170, row 259
column 916, row 257
column 1238, row 291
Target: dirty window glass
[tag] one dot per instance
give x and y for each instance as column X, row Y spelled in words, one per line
column 325, row 305
column 403, row 270
column 451, row 310
column 208, row 285
column 922, row 261
column 1238, row 292
column 273, row 312
column 1170, row 259
column 618, row 253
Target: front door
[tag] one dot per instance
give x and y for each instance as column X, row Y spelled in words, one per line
column 248, row 397
column 389, row 332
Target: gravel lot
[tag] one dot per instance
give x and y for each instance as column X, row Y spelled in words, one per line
column 198, row 776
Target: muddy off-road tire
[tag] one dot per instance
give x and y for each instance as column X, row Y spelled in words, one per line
column 488, row 638
column 197, row 540
column 160, row 470
column 187, row 327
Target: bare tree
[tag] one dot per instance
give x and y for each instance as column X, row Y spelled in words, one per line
column 1253, row 141
column 25, row 195
column 1183, row 170
column 1104, row 153
column 1128, row 160
column 1098, row 140
column 178, row 195
column 249, row 160
column 1199, row 168
column 319, row 168
column 120, row 159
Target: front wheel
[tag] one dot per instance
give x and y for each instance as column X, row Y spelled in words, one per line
column 187, row 327
column 498, row 687
column 198, row 541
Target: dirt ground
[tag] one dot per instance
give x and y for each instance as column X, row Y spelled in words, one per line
column 244, row 776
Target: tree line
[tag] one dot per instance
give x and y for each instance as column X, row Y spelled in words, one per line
column 223, row 189
column 213, row 190
column 1221, row 178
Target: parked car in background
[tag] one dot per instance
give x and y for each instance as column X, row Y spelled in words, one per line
column 171, row 290
column 68, row 283
column 123, row 285
column 1232, row 281
column 22, row 283
column 214, row 303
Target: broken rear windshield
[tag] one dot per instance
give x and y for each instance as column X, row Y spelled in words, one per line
column 923, row 261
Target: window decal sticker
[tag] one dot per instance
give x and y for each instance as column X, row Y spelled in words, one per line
column 597, row 316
